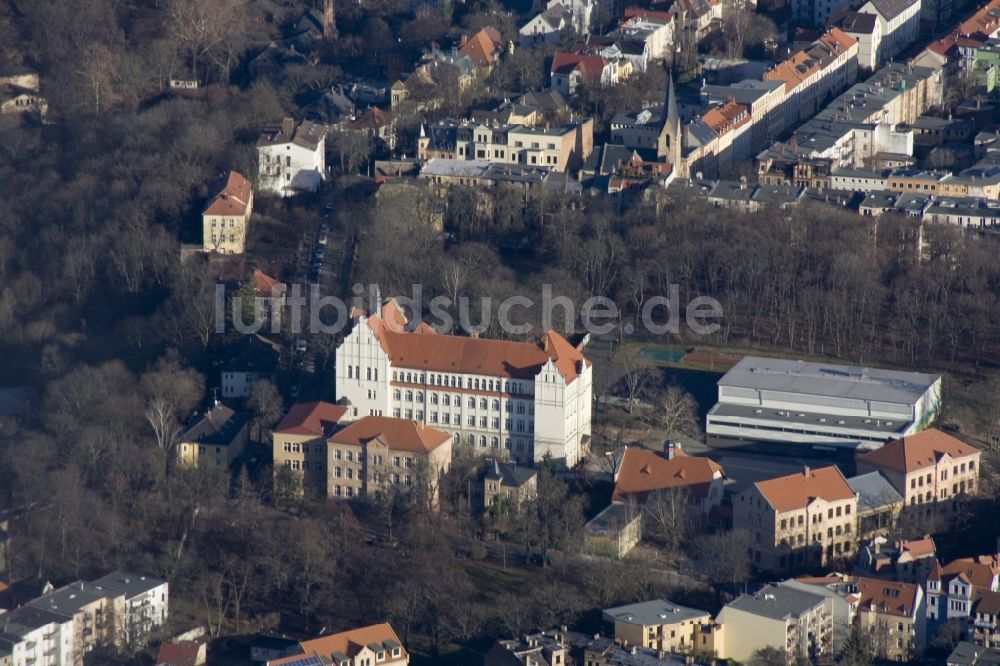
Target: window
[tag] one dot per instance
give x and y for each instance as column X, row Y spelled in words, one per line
column 336, row 454
column 482, row 441
column 395, row 461
column 409, row 396
column 496, row 405
column 472, row 402
column 395, row 394
column 483, row 403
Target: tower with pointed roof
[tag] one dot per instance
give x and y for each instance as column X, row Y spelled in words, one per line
column 671, row 138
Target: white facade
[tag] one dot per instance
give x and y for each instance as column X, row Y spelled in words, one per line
column 146, row 604
column 525, row 417
column 38, row 637
column 291, row 158
column 777, row 400
column 238, row 384
column 583, row 13
column 899, row 27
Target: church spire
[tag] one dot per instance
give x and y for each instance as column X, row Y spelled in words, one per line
column 673, row 118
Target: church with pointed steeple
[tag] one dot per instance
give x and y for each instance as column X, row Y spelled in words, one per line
column 670, row 145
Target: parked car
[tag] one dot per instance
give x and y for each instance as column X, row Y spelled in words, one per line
column 322, row 238
column 320, row 253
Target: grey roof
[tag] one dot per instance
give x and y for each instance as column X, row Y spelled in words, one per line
column 874, row 491
column 615, row 517
column 654, row 612
column 970, row 654
column 777, row 603
column 861, row 173
column 509, row 474
column 854, row 22
column 890, row 9
column 828, row 379
column 744, row 92
column 219, row 425
column 27, row 619
column 131, row 584
column 69, row 599
column 972, row 206
column 843, row 425
column 778, row 194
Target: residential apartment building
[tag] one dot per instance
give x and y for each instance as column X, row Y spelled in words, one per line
column 516, row 400
column 562, row 647
column 546, row 27
column 893, row 615
column 970, row 654
column 641, row 472
column 226, row 219
column 930, row 469
column 299, row 442
column 952, row 588
column 984, row 621
column 867, row 29
column 779, row 400
column 248, row 361
column 793, row 621
column 805, row 519
column 291, row 157
column 556, row 148
column 859, row 128
column 659, row 624
column 214, row 439
column 378, row 452
column 374, row 645
column 899, row 23
column 909, row 561
column 92, row 611
column 810, row 13
column 571, row 71
column 34, row 636
column 655, row 30
column 144, row 609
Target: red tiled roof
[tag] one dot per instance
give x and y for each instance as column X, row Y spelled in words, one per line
column 889, row 597
column 914, row 452
column 482, row 47
column 311, row 418
column 977, row 571
column 918, row 548
column 638, row 12
column 424, row 349
column 590, row 65
column 642, row 471
column 267, row 285
column 233, row 198
column 181, row 653
column 987, row 602
column 796, row 491
column 397, row 434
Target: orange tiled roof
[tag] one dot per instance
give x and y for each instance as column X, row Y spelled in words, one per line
column 727, row 117
column 233, row 198
column 311, row 418
column 918, row 547
column 796, row 491
column 348, row 643
column 423, row 349
column 482, row 47
column 914, row 452
column 267, row 285
column 397, row 434
column 643, row 471
column 978, row 571
column 887, row 596
column 837, row 40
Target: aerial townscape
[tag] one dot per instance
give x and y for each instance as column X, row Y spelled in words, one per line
column 499, row 333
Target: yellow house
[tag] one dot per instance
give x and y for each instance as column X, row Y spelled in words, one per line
column 299, row 442
column 659, row 624
column 227, row 217
column 215, row 439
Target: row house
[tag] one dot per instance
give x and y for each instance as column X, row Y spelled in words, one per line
column 909, row 561
column 867, row 29
column 931, row 470
column 291, row 157
column 513, row 399
column 374, row 645
column 558, row 148
column 959, row 48
column 299, row 442
column 952, row 588
column 805, row 519
column 970, row 212
column 226, row 219
column 562, row 647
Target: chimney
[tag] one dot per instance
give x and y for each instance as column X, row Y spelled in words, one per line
column 465, row 40
column 474, row 335
column 806, row 471
column 672, row 449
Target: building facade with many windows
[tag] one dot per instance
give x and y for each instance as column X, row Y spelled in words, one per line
column 515, row 400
